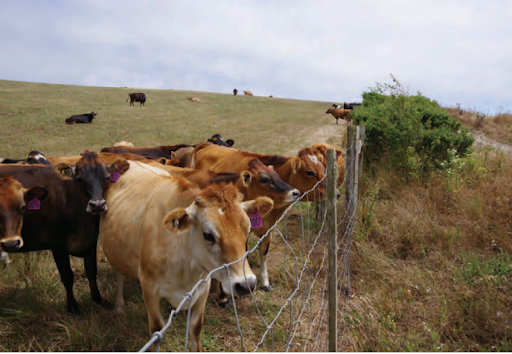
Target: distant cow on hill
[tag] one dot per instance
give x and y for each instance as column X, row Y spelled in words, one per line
column 81, row 118
column 235, row 91
column 247, row 93
column 351, row 105
column 193, row 99
column 136, row 97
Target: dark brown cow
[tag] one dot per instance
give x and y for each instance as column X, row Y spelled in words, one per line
column 235, row 92
column 34, row 157
column 68, row 221
column 148, row 152
column 217, row 140
column 81, row 118
column 136, row 97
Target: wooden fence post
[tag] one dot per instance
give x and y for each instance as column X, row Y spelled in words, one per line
column 332, row 221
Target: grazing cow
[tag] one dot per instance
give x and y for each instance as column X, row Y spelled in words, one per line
column 351, row 105
column 193, row 99
column 34, row 157
column 81, row 118
column 235, row 92
column 68, row 222
column 302, row 172
column 340, row 113
column 248, row 93
column 136, row 97
column 217, row 139
column 184, row 235
column 14, row 200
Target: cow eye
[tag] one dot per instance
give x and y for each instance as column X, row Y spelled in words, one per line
column 209, row 237
column 264, row 180
column 23, row 208
column 310, row 173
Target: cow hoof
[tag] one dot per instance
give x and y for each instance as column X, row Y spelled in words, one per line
column 225, row 304
column 266, row 288
column 74, row 309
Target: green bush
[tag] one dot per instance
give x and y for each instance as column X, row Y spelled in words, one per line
column 412, row 132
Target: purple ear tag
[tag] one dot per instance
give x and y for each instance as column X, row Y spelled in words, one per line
column 337, row 158
column 114, row 176
column 34, row 204
column 256, row 220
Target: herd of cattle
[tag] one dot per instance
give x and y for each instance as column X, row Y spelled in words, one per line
column 165, row 216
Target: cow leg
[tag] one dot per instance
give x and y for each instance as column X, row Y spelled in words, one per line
column 196, row 322
column 152, row 302
column 264, row 247
column 120, row 299
column 91, row 270
column 67, row 277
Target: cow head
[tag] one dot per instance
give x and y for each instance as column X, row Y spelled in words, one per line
column 93, row 173
column 36, row 157
column 219, row 228
column 13, row 203
column 217, row 140
column 260, row 180
column 306, row 172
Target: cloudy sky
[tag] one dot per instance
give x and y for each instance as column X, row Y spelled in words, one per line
column 326, row 50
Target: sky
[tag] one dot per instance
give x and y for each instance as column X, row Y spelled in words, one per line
column 455, row 52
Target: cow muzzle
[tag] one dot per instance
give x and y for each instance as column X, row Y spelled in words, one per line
column 96, row 206
column 11, row 244
column 245, row 286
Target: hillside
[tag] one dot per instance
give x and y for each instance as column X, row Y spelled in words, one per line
column 33, row 115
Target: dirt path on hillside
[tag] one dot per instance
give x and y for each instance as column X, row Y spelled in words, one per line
column 333, row 134
column 481, row 140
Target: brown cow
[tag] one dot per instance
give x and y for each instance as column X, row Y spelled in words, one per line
column 136, row 97
column 193, row 99
column 248, row 93
column 148, row 152
column 14, row 201
column 340, row 113
column 302, row 172
column 171, row 246
column 67, row 224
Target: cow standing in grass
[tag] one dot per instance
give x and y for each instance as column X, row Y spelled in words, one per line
column 136, row 97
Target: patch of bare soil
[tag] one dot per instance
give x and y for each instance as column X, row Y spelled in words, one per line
column 331, row 133
column 482, row 140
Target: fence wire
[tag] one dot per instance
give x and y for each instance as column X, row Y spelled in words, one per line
column 294, row 315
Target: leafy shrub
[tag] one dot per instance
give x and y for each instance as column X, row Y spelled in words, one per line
column 412, row 132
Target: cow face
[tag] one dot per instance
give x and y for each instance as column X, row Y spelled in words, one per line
column 260, row 180
column 307, row 171
column 219, row 227
column 13, row 203
column 93, row 173
column 217, row 140
column 36, row 157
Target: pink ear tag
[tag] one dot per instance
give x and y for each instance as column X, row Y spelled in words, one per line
column 256, row 220
column 114, row 176
column 337, row 158
column 34, row 204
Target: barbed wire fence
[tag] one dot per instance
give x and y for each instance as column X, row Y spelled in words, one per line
column 303, row 317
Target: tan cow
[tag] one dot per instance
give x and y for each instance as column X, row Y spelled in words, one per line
column 302, row 172
column 248, row 93
column 193, row 99
column 320, row 151
column 168, row 234
column 340, row 113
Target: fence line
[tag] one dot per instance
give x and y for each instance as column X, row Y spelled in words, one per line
column 301, row 321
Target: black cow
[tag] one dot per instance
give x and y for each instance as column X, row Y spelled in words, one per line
column 351, row 105
column 136, row 97
column 67, row 223
column 34, row 157
column 217, row 140
column 235, row 91
column 81, row 118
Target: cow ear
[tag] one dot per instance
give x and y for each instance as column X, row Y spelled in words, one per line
column 246, row 178
column 65, row 170
column 320, row 157
column 35, row 192
column 230, row 142
column 119, row 164
column 296, row 163
column 173, row 155
column 262, row 205
column 177, row 220
column 163, row 161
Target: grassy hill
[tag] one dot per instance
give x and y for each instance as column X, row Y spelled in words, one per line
column 33, row 115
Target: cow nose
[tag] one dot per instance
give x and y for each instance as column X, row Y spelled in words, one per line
column 296, row 194
column 96, row 206
column 245, row 287
column 11, row 245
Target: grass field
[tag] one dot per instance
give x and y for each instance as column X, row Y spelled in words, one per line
column 431, row 264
